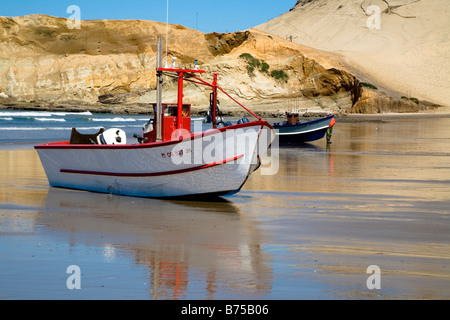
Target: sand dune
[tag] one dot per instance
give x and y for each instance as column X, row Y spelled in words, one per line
column 408, row 53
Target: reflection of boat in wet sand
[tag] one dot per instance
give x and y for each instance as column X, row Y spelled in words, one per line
column 293, row 131
column 185, row 245
column 168, row 160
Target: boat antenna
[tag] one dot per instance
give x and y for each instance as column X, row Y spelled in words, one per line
column 167, row 33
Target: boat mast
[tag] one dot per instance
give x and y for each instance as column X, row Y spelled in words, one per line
column 214, row 111
column 167, row 34
column 180, row 100
column 159, row 83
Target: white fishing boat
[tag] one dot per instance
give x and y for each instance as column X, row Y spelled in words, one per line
column 168, row 160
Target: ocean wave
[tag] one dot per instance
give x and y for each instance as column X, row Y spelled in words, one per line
column 86, row 113
column 64, row 128
column 44, row 128
column 112, row 120
column 25, row 114
column 30, row 114
column 6, row 118
column 50, row 119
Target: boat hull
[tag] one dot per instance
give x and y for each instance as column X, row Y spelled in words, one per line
column 212, row 162
column 303, row 132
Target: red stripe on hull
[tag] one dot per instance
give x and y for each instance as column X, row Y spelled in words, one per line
column 154, row 174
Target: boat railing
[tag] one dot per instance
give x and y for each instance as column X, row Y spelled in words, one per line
column 188, row 75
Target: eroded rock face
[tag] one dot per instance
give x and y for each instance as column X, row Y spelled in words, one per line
column 370, row 101
column 303, row 2
column 330, row 82
column 106, row 62
column 223, row 43
column 42, row 59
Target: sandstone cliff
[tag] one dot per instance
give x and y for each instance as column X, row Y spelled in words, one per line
column 110, row 65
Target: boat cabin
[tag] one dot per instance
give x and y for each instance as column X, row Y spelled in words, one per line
column 169, row 119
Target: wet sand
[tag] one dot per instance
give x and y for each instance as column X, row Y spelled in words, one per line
column 378, row 195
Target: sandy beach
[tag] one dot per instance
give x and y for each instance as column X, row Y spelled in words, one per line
column 377, row 196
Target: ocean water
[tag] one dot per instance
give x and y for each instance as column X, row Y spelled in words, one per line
column 379, row 195
column 35, row 127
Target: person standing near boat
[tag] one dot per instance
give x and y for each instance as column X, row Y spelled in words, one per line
column 330, row 130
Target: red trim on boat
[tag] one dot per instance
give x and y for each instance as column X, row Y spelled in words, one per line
column 66, row 145
column 154, row 174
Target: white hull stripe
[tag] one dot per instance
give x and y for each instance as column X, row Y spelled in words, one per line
column 292, row 133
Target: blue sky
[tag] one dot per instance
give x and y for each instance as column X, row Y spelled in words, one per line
column 208, row 16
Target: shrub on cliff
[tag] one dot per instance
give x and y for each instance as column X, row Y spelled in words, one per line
column 368, row 85
column 279, row 75
column 255, row 64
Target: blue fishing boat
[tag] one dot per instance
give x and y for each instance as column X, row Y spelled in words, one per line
column 293, row 131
